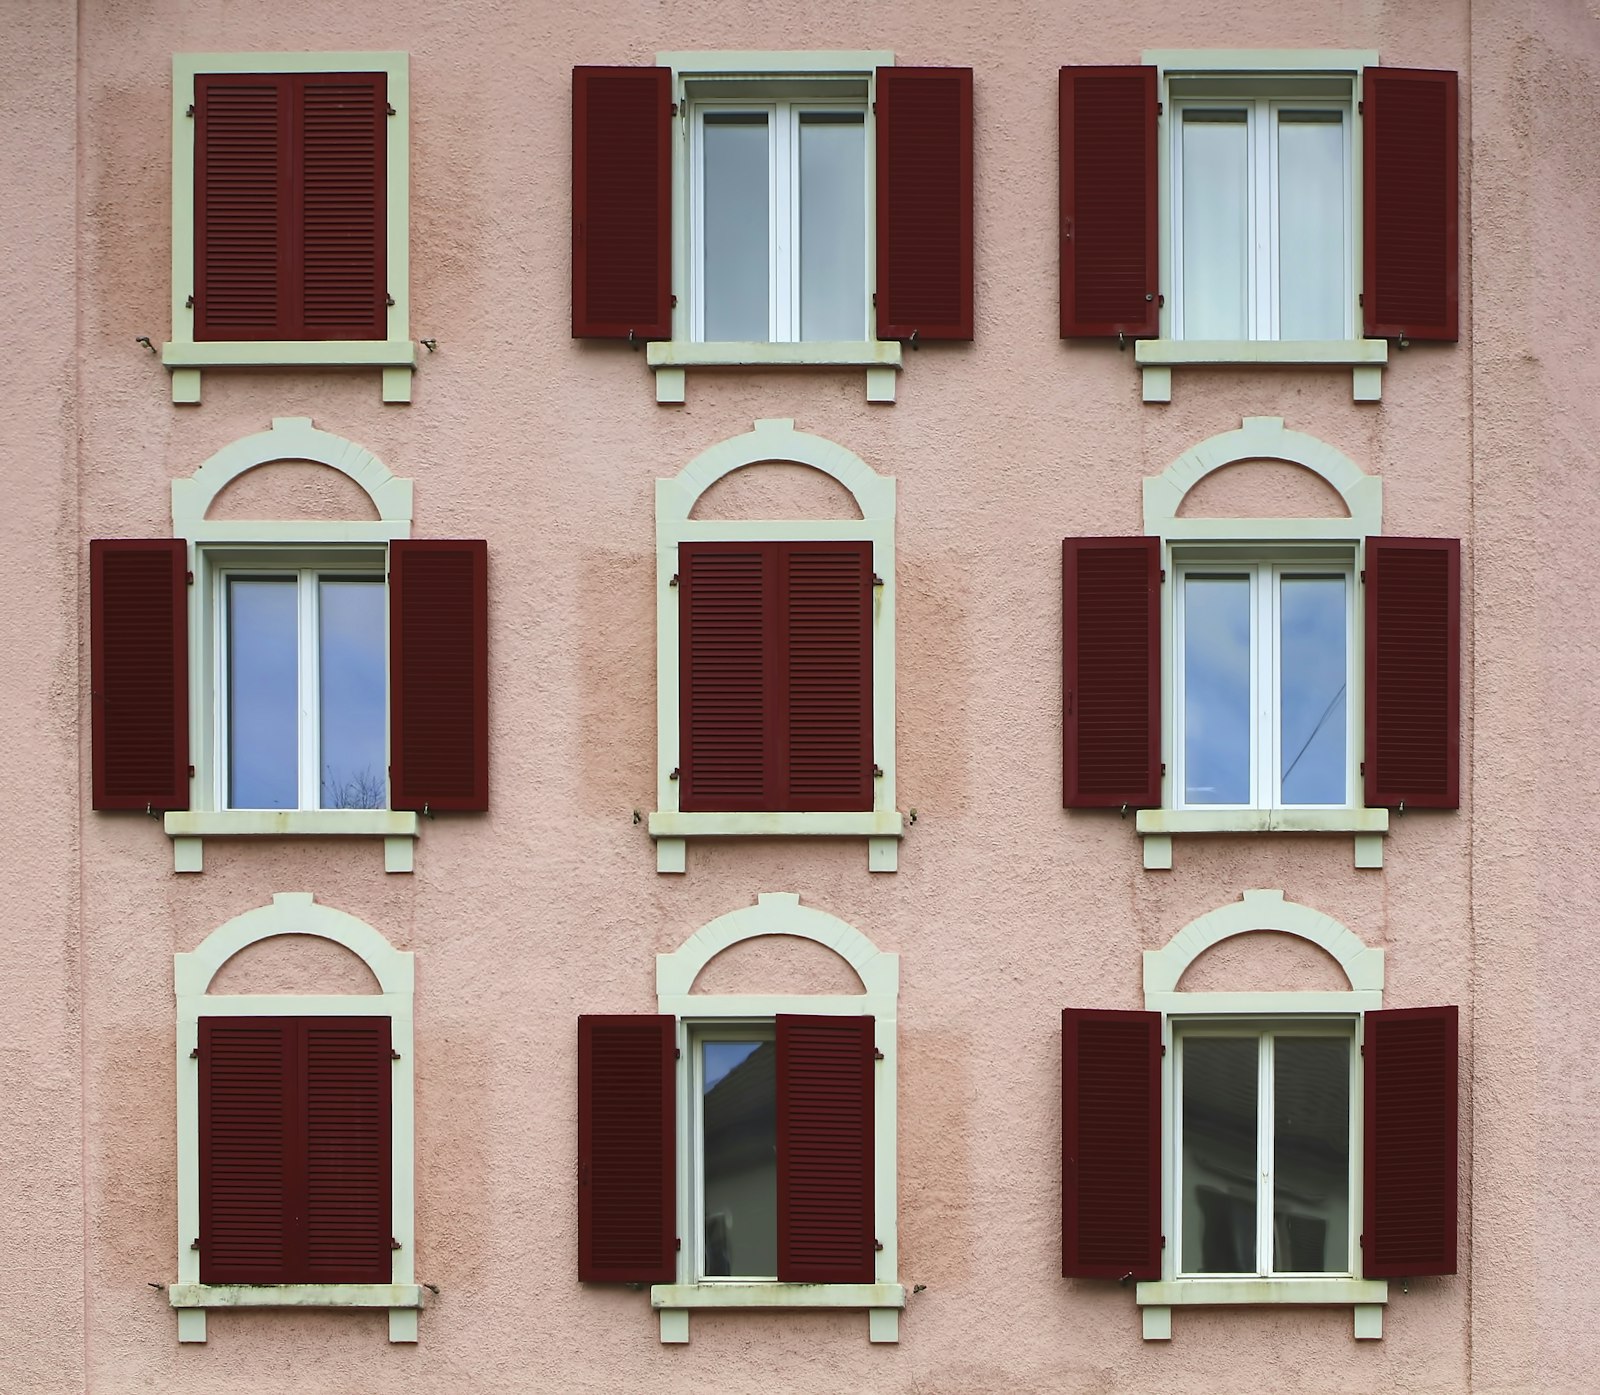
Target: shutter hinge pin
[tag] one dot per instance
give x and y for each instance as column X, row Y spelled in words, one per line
column 387, row 298
column 188, row 578
column 395, row 1244
column 195, row 1243
column 677, row 1242
column 191, row 772
column 194, row 1055
column 188, row 301
column 877, row 772
column 1122, row 341
column 674, row 774
column 877, row 1244
column 876, row 1054
column 189, row 110
column 393, row 1054
column 389, row 109
column 677, row 1053
column 876, row 579
column 674, row 580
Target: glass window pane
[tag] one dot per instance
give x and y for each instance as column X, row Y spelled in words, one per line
column 833, row 225
column 1216, row 224
column 735, row 257
column 739, row 1123
column 1311, row 1155
column 1313, row 703
column 1313, row 296
column 263, row 693
column 352, row 669
column 1219, row 1154
column 1216, row 689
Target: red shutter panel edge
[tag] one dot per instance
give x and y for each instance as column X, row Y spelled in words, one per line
column 825, row 1149
column 627, row 1180
column 1111, row 1144
column 139, row 673
column 1411, row 1110
column 1413, row 673
column 1109, row 203
column 1411, row 273
column 924, row 198
column 1111, row 678
column 439, row 674
column 621, row 203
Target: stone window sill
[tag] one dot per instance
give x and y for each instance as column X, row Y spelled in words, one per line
column 1365, row 1296
column 883, row 1303
column 883, row 830
column 188, row 829
column 396, row 357
column 1364, row 357
column 1156, row 827
column 192, row 1300
column 669, row 358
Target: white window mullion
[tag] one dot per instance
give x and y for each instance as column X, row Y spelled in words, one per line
column 1265, row 1156
column 697, row 223
column 310, row 745
column 1262, row 685
column 1271, row 743
column 1263, row 225
column 780, row 203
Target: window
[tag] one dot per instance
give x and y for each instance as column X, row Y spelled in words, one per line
column 734, row 1098
column 290, row 217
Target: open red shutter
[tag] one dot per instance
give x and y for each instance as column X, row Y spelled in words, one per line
column 1109, row 239
column 1111, row 681
column 251, row 1159
column 827, row 676
column 339, row 181
column 1410, row 1107
column 924, row 154
column 622, row 203
column 1411, row 271
column 242, row 261
column 627, row 1187
column 438, row 674
column 1110, row 1144
column 347, row 1072
column 727, row 600
column 825, row 1126
column 1413, row 656
column 139, row 673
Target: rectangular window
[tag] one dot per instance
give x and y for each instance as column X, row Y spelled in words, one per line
column 1264, row 1155
column 1262, row 675
column 735, row 1130
column 779, row 220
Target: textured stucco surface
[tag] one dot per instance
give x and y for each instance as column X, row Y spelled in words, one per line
column 1004, row 910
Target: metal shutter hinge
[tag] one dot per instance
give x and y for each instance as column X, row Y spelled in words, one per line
column 191, row 772
column 674, row 300
column 876, row 1054
column 1163, row 1242
column 1163, row 1048
column 674, row 108
column 189, row 110
column 1160, row 109
column 387, row 298
column 195, row 1243
column 393, row 1054
column 677, row 1053
column 1163, row 768
column 188, row 301
column 389, row 109
column 674, row 580
column 677, row 1242
column 1163, row 576
column 877, row 772
column 1361, row 108
column 876, row 579
column 1363, row 767
column 674, row 774
column 194, row 1055
column 395, row 1244
column 877, row 1244
column 188, row 578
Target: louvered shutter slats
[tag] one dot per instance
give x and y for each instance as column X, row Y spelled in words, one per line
column 347, row 1072
column 825, row 1149
column 342, row 201
column 828, row 672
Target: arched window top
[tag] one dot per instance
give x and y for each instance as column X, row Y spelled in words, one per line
column 292, row 438
column 1263, row 438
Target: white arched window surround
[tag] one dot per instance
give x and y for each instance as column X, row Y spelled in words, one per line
column 780, row 913
column 1164, row 969
column 1259, row 438
column 296, row 913
column 874, row 494
column 215, row 542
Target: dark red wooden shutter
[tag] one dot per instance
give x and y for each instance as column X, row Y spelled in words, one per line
column 347, row 1069
column 438, row 674
column 139, row 673
column 1111, row 681
column 1410, row 1142
column 924, row 153
column 1413, row 658
column 1110, row 1144
column 1109, row 207
column 1411, row 263
column 627, row 1181
column 251, row 1158
column 621, row 203
column 825, row 1127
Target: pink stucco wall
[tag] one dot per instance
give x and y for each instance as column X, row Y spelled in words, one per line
column 1004, row 909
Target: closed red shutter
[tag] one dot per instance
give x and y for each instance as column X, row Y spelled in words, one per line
column 139, row 673
column 290, row 206
column 1412, row 273
column 1413, row 657
column 621, row 203
column 825, row 1127
column 627, row 1181
column 924, row 154
column 1109, row 238
column 1111, row 1144
column 348, row 1070
column 1111, row 681
column 439, row 674
column 1410, row 1142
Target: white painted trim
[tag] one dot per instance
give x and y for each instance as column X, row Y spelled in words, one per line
column 1169, row 821
column 1223, row 1292
column 780, row 913
column 1173, row 352
column 296, row 1295
column 760, row 63
column 1259, row 60
column 291, row 823
column 774, row 440
column 871, row 353
column 395, row 354
column 297, row 913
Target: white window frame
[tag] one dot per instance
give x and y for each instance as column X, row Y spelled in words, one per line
column 215, row 545
column 1263, row 540
column 759, row 77
column 874, row 494
column 780, row 913
column 395, row 355
column 1267, row 72
column 296, row 913
column 1164, row 968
